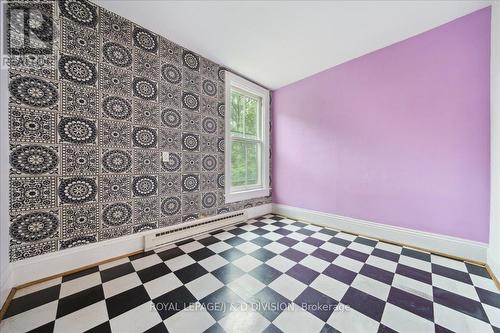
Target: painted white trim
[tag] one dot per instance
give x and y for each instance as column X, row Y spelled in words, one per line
column 494, row 247
column 233, row 80
column 259, row 210
column 6, row 285
column 6, row 282
column 246, row 195
column 42, row 266
column 49, row 264
column 445, row 244
column 174, row 233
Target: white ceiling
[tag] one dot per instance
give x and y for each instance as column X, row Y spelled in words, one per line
column 279, row 42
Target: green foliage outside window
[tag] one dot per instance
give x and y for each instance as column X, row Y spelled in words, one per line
column 245, row 113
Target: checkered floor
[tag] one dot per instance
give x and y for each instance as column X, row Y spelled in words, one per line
column 269, row 275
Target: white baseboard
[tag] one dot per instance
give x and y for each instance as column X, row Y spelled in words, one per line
column 42, row 266
column 49, row 264
column 440, row 243
column 6, row 284
column 259, row 210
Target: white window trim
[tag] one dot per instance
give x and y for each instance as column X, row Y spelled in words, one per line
column 231, row 194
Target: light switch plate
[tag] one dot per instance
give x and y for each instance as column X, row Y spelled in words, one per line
column 165, row 156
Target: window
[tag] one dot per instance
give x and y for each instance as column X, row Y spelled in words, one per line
column 247, row 139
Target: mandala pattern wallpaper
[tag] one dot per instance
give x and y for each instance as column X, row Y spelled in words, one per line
column 87, row 129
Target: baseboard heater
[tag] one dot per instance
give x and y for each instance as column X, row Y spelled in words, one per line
column 185, row 230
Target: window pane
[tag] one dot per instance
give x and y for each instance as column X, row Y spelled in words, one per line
column 237, row 113
column 246, row 138
column 238, row 163
column 251, row 114
column 245, row 115
column 252, row 163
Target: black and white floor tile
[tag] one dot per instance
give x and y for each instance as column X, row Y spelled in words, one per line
column 271, row 274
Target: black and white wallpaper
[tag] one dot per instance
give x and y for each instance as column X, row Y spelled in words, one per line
column 88, row 126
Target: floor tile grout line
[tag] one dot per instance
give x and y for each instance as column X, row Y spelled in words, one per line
column 76, row 270
column 265, row 222
column 421, row 249
column 14, row 289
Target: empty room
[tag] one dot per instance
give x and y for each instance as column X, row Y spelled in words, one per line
column 250, row 166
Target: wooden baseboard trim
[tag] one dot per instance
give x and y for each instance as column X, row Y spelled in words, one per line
column 493, row 276
column 6, row 304
column 24, row 285
column 473, row 262
column 472, row 250
column 253, row 212
column 76, row 270
column 421, row 249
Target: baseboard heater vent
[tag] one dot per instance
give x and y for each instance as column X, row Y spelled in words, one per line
column 185, row 230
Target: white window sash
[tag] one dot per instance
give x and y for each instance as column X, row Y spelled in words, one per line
column 260, row 145
column 262, row 188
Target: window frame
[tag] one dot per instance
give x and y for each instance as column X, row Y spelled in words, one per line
column 239, row 193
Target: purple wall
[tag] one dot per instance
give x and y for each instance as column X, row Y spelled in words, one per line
column 400, row 136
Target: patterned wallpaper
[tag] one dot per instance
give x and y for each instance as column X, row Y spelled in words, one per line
column 88, row 126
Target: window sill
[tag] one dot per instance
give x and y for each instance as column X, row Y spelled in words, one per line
column 246, row 195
